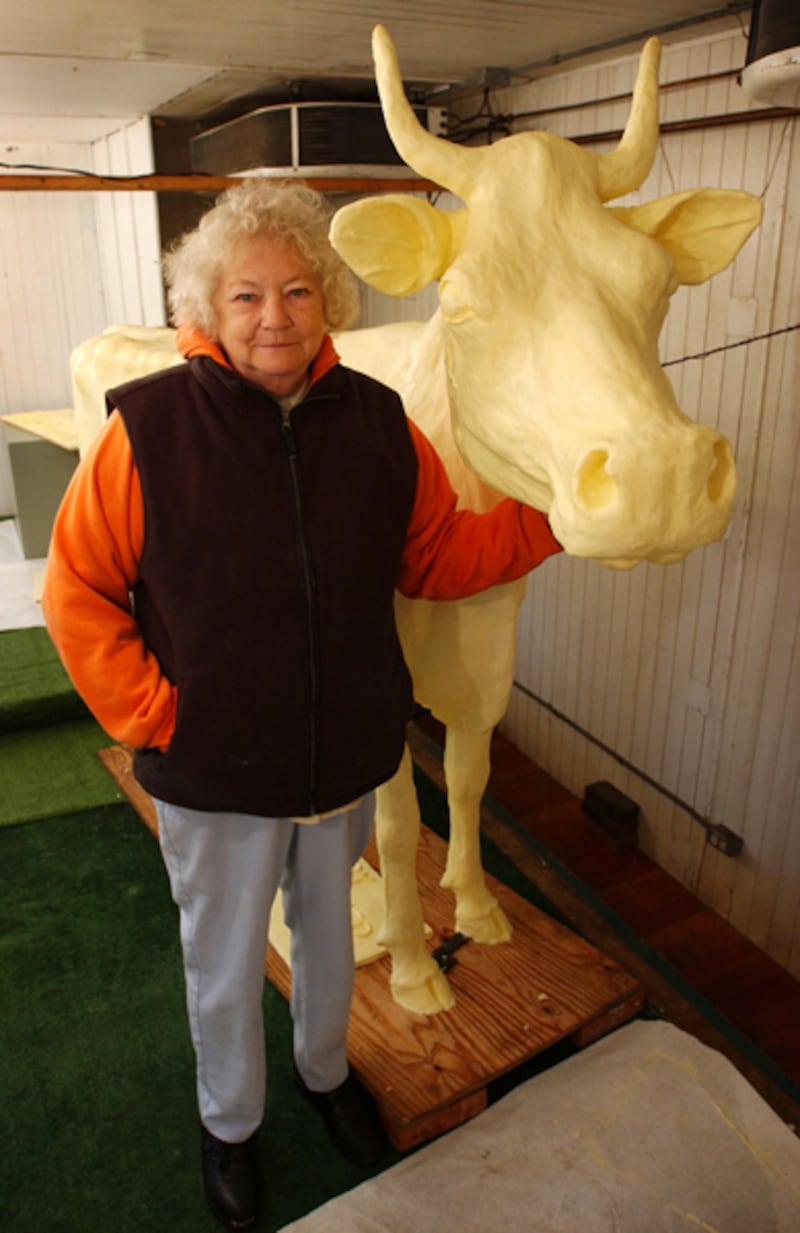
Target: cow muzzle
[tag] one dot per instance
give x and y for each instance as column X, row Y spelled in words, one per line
column 656, row 501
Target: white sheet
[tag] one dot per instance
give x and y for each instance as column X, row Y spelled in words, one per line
column 647, row 1131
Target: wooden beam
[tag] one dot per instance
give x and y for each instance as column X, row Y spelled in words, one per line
column 200, row 184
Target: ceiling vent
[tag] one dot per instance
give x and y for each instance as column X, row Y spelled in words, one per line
column 772, row 67
column 316, row 138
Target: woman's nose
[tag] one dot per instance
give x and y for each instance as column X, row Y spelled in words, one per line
column 274, row 312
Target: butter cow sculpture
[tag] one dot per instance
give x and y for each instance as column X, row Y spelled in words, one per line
column 537, row 377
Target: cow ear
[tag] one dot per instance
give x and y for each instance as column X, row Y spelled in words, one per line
column 702, row 228
column 395, row 243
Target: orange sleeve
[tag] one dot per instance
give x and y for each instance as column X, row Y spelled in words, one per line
column 450, row 554
column 91, row 568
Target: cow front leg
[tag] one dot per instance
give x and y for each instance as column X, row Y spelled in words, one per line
column 466, row 767
column 417, row 982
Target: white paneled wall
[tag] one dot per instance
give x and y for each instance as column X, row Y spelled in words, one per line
column 681, row 684
column 49, row 291
column 127, row 231
column 71, row 263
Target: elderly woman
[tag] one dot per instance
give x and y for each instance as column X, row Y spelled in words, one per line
column 220, row 588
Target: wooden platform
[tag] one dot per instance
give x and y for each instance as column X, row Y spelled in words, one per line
column 513, row 1002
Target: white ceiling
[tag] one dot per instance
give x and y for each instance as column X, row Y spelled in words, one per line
column 64, row 59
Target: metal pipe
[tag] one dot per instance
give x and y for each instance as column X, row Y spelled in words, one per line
column 671, row 126
column 200, row 184
column 684, row 83
column 698, row 123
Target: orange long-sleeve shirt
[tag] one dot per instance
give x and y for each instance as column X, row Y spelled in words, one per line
column 97, row 543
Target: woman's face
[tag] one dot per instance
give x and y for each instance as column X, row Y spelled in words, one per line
column 270, row 314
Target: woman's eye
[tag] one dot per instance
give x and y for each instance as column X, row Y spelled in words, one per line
column 245, row 297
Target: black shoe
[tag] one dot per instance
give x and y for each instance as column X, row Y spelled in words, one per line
column 351, row 1119
column 229, row 1179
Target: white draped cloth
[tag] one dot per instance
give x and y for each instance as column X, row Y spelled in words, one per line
column 646, row 1131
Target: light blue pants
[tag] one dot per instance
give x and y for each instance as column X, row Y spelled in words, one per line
column 224, row 871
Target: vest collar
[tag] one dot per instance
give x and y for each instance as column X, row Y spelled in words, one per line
column 192, row 342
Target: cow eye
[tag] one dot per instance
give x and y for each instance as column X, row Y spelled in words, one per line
column 454, row 299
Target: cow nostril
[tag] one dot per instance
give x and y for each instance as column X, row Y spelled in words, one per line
column 721, row 471
column 595, row 487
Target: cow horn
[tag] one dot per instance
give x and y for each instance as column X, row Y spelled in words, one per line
column 442, row 161
column 627, row 167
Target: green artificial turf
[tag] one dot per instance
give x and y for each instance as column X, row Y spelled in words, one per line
column 48, row 739
column 54, row 770
column 34, row 687
column 98, row 1129
column 99, row 1126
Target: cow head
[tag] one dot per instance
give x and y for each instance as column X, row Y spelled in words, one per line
column 551, row 304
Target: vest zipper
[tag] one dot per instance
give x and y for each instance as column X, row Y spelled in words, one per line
column 310, row 595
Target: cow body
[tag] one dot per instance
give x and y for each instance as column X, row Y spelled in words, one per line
column 538, row 377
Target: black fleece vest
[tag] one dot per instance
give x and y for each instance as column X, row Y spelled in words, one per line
column 266, row 582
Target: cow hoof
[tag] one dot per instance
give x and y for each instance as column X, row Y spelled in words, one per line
column 489, row 927
column 427, row 996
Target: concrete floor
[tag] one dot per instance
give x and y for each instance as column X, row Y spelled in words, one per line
column 20, row 581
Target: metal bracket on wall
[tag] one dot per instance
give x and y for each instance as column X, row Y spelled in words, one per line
column 723, row 839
